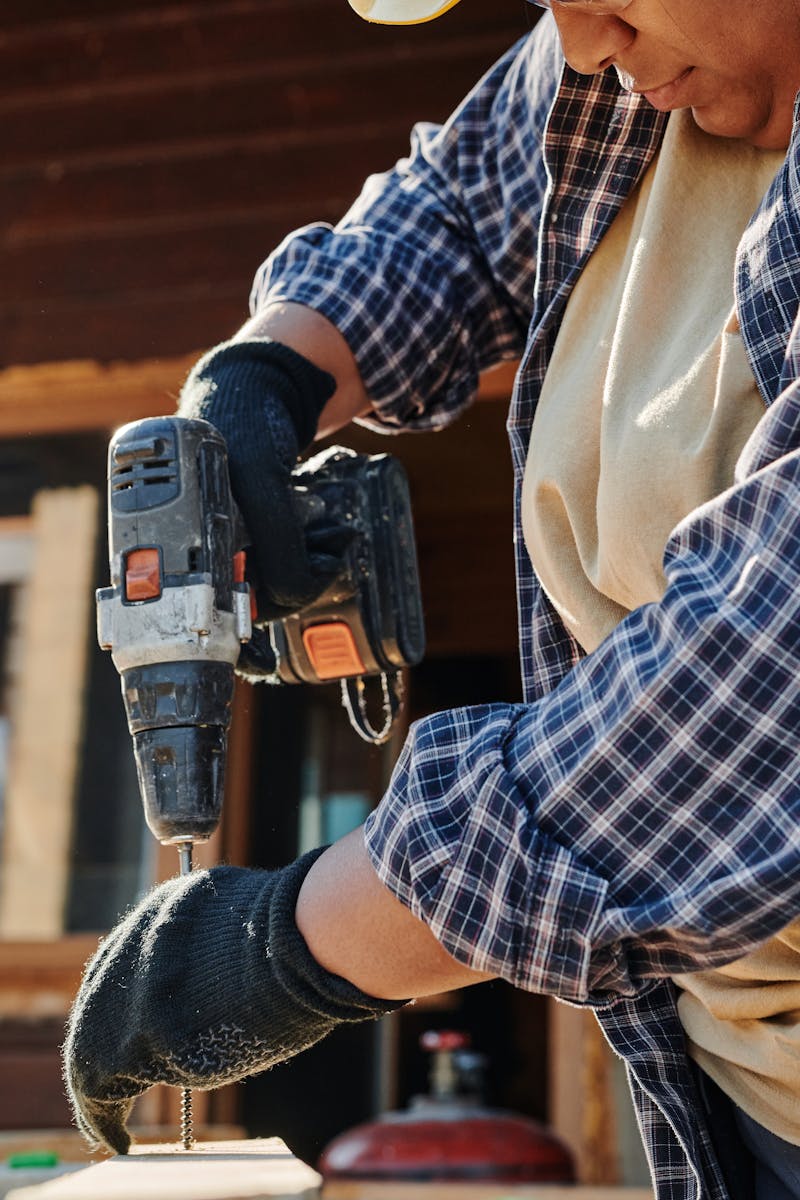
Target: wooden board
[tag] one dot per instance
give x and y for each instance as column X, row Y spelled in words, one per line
column 39, row 979
column 72, row 397
column 581, row 1102
column 341, row 1190
column 259, row 1169
column 154, row 153
column 47, row 714
column 16, row 549
column 589, row 1103
column 73, row 1149
column 14, row 1178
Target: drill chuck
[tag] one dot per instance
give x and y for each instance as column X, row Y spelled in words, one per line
column 181, row 776
column 179, row 715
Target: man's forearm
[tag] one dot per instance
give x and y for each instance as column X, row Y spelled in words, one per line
column 313, row 335
column 352, row 924
column 354, row 927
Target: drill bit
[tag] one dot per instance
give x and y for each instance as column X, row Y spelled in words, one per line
column 185, row 857
column 187, row 1130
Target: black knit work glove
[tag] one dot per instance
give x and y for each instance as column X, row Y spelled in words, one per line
column 206, row 981
column 265, row 399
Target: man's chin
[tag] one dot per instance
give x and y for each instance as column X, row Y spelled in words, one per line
column 763, row 133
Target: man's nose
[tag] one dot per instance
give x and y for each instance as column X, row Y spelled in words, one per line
column 591, row 42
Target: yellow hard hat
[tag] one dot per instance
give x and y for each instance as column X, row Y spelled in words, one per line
column 400, row 12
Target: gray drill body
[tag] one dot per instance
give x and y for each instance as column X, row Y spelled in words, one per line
column 176, row 649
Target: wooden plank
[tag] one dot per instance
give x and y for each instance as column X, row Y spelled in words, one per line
column 368, row 1190
column 225, row 247
column 19, row 15
column 112, row 47
column 261, row 1169
column 582, row 1107
column 77, row 396
column 39, row 979
column 142, row 190
column 16, row 549
column 16, row 1177
column 72, row 1147
column 73, row 397
column 271, row 95
column 47, row 715
column 125, row 325
column 498, row 382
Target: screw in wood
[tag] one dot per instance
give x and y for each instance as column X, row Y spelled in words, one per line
column 187, row 1128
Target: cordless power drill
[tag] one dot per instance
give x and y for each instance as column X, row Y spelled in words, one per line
column 179, row 607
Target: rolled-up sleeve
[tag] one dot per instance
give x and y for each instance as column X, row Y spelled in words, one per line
column 455, row 841
column 642, row 819
column 430, row 275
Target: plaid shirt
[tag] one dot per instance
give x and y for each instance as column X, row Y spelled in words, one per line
column 637, row 816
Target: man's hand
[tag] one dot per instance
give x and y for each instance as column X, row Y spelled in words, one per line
column 206, row 981
column 265, row 399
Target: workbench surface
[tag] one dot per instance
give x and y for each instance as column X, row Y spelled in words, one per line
column 341, row 1190
column 264, row 1169
column 257, row 1169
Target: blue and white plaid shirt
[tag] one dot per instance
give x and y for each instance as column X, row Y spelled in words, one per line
column 637, row 816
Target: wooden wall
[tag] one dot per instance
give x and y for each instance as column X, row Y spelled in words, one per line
column 154, row 152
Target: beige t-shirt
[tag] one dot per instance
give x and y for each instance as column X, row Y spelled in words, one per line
column 648, row 401
column 649, row 396
column 742, row 1022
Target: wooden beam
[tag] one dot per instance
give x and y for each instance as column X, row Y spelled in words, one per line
column 74, row 397
column 40, row 979
column 498, row 383
column 16, row 549
column 260, row 1169
column 47, row 714
column 582, row 1105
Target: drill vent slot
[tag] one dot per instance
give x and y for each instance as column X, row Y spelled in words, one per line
column 138, row 482
column 152, row 465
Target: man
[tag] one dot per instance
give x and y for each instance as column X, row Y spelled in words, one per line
column 626, row 838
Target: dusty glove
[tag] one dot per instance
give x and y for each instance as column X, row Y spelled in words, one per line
column 206, row 981
column 266, row 400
